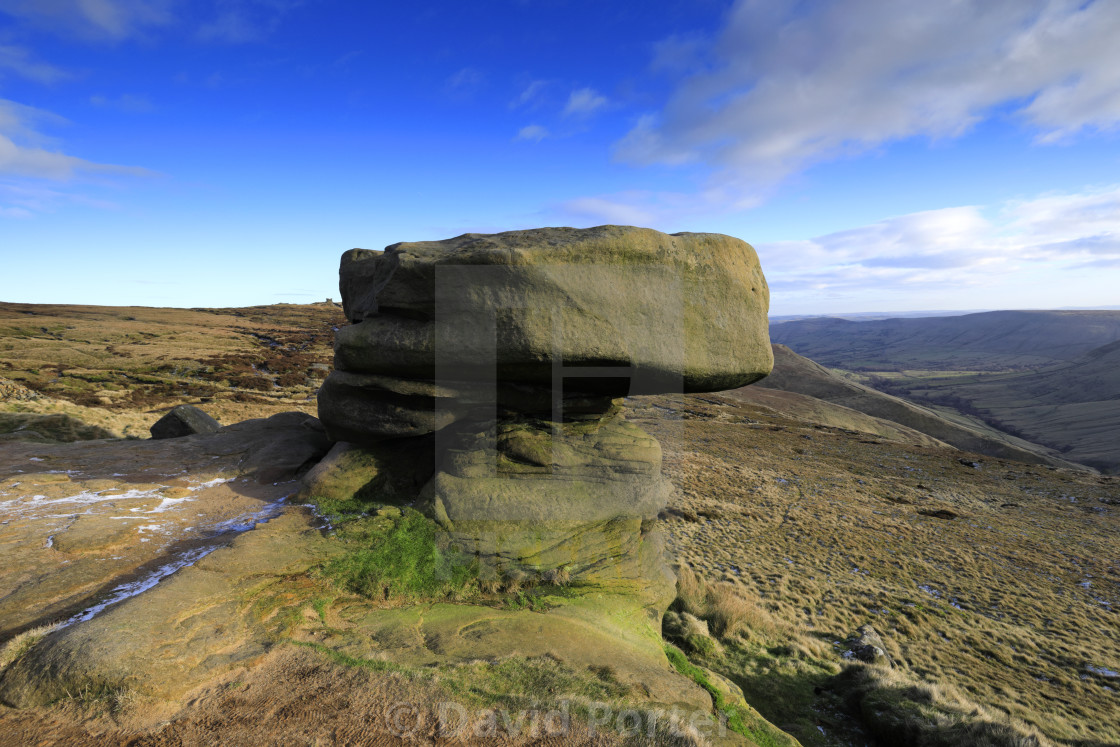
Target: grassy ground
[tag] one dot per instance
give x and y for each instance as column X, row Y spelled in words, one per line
column 997, row 581
column 122, row 367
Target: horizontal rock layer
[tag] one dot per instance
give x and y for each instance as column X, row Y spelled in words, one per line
column 681, row 312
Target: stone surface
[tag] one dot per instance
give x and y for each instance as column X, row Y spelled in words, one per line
column 868, row 647
column 684, row 312
column 508, row 349
column 537, row 496
column 176, row 636
column 79, row 520
column 390, row 472
column 184, row 420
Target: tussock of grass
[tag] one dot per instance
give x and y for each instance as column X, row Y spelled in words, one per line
column 726, row 608
column 899, row 710
column 19, row 645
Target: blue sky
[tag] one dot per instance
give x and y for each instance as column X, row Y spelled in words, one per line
column 880, row 156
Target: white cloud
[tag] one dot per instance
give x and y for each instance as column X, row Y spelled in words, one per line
column 14, row 212
column 27, row 199
column 931, row 251
column 532, row 132
column 793, row 84
column 26, row 152
column 584, row 101
column 104, row 19
column 679, row 54
column 18, row 60
column 591, row 211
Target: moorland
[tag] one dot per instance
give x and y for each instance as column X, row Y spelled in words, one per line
column 800, row 513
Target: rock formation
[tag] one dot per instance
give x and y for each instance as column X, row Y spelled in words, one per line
column 509, row 352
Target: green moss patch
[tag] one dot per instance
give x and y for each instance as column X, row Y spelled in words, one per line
column 739, row 719
column 401, row 557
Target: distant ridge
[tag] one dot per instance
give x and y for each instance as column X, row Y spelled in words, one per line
column 1073, row 406
column 988, row 341
column 795, row 373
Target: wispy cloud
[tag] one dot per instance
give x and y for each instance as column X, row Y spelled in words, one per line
column 953, row 247
column 19, row 60
column 95, row 19
column 598, row 210
column 789, row 85
column 464, row 83
column 27, row 152
column 26, row 200
column 529, row 96
column 534, row 133
column 126, row 102
column 243, row 21
column 584, row 101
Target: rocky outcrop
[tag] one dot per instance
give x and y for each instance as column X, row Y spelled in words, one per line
column 506, row 353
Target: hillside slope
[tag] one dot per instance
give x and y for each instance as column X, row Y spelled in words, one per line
column 989, row 341
column 795, row 373
column 1074, row 407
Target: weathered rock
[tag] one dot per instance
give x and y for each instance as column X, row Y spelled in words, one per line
column 293, row 443
column 868, row 646
column 536, row 496
column 367, row 408
column 390, row 472
column 177, row 635
column 681, row 312
column 110, row 511
column 184, row 420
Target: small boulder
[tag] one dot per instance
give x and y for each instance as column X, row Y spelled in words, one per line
column 868, row 647
column 184, row 420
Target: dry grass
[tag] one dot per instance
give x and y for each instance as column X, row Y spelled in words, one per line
column 900, row 710
column 120, row 368
column 20, row 644
column 724, row 605
column 1013, row 603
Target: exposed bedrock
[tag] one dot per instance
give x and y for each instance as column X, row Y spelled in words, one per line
column 512, row 349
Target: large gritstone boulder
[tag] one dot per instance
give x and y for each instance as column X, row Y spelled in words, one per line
column 686, row 311
column 503, row 357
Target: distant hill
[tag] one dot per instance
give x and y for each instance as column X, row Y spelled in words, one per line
column 1074, row 407
column 989, row 341
column 797, row 374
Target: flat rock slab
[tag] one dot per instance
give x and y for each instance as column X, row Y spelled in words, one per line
column 586, row 632
column 175, row 636
column 207, row 620
column 81, row 523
